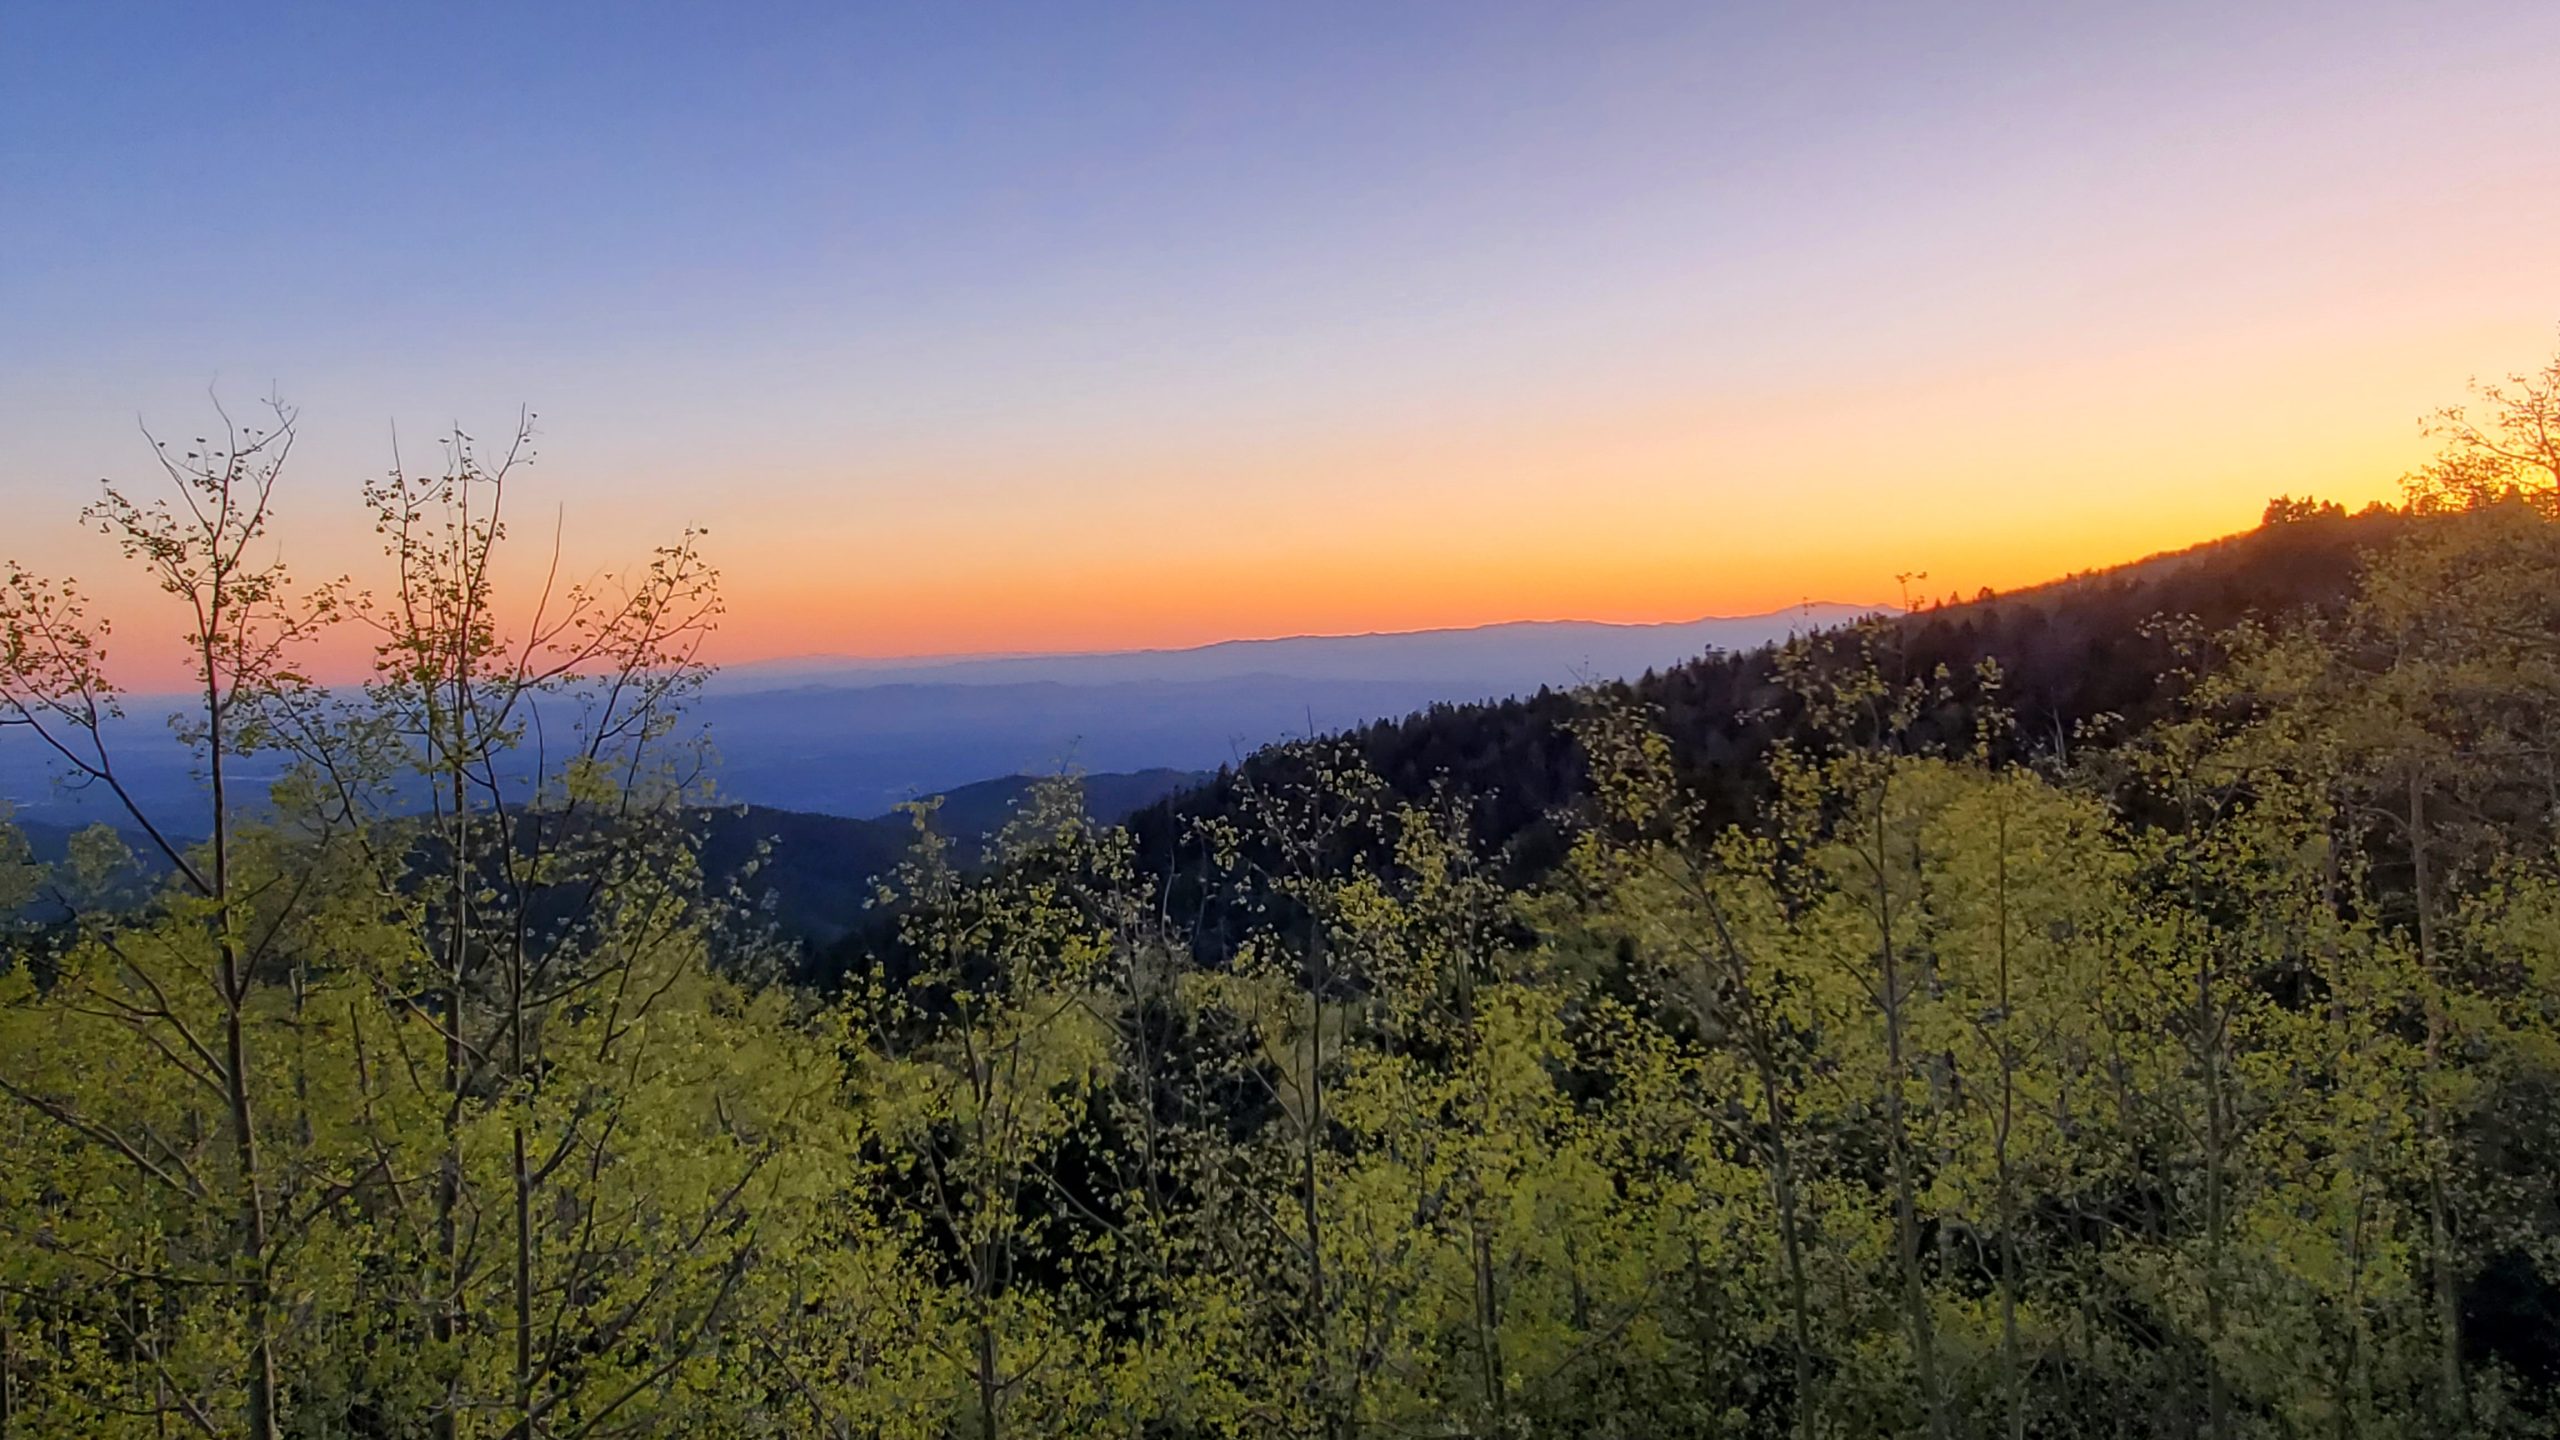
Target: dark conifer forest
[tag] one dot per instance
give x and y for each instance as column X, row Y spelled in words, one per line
column 2123, row 1008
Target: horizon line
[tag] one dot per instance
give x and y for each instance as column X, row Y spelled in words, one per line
column 962, row 657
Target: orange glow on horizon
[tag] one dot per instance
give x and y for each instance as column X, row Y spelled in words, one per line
column 2008, row 474
column 1636, row 516
column 1175, row 608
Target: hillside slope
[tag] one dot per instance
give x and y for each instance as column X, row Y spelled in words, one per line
column 2069, row 651
column 808, row 875
column 812, row 875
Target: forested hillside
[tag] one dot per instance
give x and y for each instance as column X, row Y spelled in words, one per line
column 813, row 877
column 2024, row 1018
column 2076, row 653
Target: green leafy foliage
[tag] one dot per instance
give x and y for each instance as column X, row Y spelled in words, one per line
column 1858, row 1063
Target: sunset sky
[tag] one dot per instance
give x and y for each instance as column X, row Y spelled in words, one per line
column 980, row 327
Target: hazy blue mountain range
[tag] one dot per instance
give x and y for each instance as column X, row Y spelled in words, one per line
column 1507, row 659
column 854, row 738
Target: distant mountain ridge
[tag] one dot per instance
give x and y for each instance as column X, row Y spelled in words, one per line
column 853, row 738
column 1523, row 654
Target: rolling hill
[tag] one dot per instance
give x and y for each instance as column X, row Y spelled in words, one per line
column 2071, row 651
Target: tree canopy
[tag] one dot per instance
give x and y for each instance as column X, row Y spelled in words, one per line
column 2034, row 1017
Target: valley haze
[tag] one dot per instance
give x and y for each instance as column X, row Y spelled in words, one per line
column 852, row 737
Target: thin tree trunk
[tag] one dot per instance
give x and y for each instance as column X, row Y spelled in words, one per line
column 1489, row 1333
column 524, row 1289
column 990, row 1372
column 2455, row 1394
column 1790, row 1238
column 2209, row 1033
column 2012, row 1366
column 1763, row 1044
column 1312, row 1143
column 523, row 1081
column 1906, row 1207
column 256, row 1284
column 1488, row 1295
column 446, row 1324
